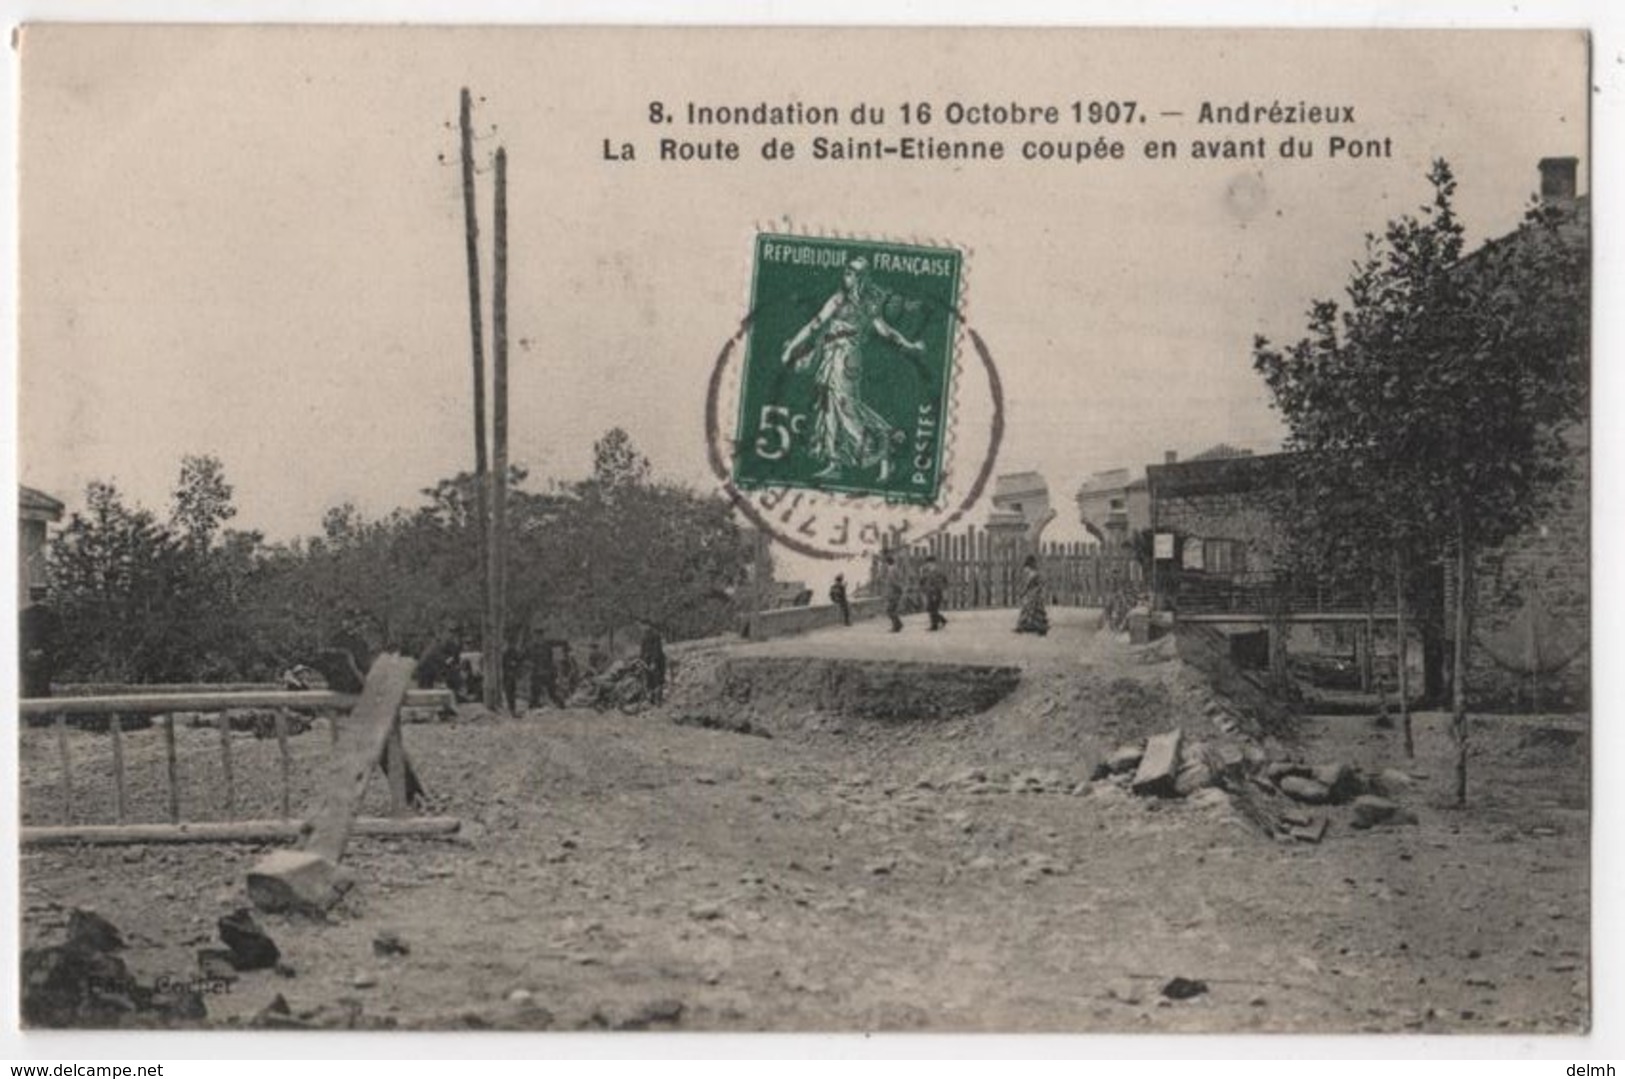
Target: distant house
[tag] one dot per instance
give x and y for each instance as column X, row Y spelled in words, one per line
column 1021, row 507
column 36, row 512
column 1220, row 511
column 1114, row 506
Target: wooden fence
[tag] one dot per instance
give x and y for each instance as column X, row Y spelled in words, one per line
column 164, row 706
column 984, row 570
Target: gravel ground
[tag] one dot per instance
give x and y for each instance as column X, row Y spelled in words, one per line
column 630, row 872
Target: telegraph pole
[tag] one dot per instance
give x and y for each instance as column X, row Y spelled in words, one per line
column 471, row 235
column 497, row 575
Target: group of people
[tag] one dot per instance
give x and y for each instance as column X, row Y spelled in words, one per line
column 546, row 667
column 1033, row 616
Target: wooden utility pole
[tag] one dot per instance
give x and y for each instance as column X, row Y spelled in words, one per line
column 497, row 575
column 471, row 235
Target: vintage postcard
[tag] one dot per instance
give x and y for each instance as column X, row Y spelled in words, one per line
column 792, row 530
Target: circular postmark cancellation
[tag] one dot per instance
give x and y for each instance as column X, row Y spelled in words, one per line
column 833, row 416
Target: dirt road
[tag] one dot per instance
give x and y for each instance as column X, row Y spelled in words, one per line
column 629, row 872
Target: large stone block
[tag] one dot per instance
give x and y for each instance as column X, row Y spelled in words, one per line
column 295, row 881
column 1341, row 780
column 1158, row 773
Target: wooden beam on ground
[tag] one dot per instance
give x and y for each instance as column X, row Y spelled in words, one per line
column 308, row 700
column 246, row 831
column 308, row 880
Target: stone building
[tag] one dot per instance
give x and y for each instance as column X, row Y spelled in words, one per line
column 1532, row 602
column 1532, row 608
column 36, row 512
column 1021, row 508
column 1114, row 505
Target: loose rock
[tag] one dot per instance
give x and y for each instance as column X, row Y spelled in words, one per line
column 1370, row 810
column 1340, row 780
column 389, row 943
column 1305, row 790
column 217, row 964
column 1124, row 758
column 250, row 947
column 91, row 930
column 1159, row 768
column 1184, row 988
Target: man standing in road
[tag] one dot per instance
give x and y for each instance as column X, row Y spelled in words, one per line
column 837, row 596
column 933, row 583
column 544, row 679
column 652, row 651
column 894, row 593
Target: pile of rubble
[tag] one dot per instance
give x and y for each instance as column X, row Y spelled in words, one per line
column 622, row 685
column 1284, row 797
column 83, row 982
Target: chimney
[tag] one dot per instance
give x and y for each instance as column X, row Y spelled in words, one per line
column 1557, row 183
column 1169, row 457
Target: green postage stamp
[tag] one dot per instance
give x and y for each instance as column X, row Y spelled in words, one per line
column 848, row 367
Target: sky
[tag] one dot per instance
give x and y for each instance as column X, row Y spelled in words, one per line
column 245, row 242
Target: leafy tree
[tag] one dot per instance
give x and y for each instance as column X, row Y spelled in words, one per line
column 113, row 569
column 1430, row 413
column 616, row 463
column 201, row 503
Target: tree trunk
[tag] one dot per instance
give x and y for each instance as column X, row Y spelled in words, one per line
column 1458, row 680
column 1401, row 654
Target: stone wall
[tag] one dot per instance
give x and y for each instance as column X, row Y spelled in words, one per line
column 785, row 621
column 1223, row 499
column 1532, row 606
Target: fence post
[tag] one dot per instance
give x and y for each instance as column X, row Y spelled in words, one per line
column 172, row 768
column 118, row 767
column 395, row 766
column 67, row 767
column 286, row 764
column 225, row 764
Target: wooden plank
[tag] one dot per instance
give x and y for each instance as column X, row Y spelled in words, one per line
column 116, row 689
column 359, row 748
column 65, row 764
column 230, row 778
column 119, row 803
column 172, row 770
column 308, row 700
column 248, row 831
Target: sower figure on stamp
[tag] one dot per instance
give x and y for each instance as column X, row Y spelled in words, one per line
column 1033, row 618
column 894, row 593
column 837, row 596
column 933, row 583
column 847, row 433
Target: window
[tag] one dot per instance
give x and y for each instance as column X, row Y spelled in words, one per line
column 1224, row 556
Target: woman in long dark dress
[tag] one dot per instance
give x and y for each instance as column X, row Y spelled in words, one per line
column 1033, row 617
